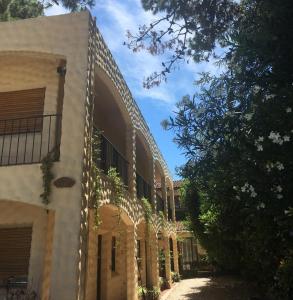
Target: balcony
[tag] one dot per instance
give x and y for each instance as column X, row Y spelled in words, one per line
column 111, row 158
column 160, row 203
column 143, row 189
column 28, row 140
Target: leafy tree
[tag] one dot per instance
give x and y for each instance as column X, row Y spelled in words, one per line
column 23, row 9
column 189, row 29
column 236, row 131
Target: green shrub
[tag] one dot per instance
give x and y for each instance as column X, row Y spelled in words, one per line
column 175, row 277
column 153, row 293
column 283, row 287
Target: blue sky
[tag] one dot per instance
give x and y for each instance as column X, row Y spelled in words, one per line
column 114, row 18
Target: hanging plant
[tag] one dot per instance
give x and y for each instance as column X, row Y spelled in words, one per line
column 96, row 175
column 148, row 211
column 48, row 176
column 117, row 188
column 96, row 195
column 163, row 220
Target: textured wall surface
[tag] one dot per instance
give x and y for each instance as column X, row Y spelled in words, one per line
column 18, row 215
column 71, row 245
column 55, row 37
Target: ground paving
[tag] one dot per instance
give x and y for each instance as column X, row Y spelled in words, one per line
column 209, row 288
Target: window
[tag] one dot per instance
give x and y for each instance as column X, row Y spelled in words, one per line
column 138, row 249
column 21, row 111
column 113, row 254
column 15, row 245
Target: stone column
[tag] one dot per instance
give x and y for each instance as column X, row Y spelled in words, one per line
column 164, row 196
column 46, row 282
column 153, row 259
column 131, row 271
column 153, row 184
column 131, row 158
column 106, row 265
column 172, row 201
column 175, row 255
column 143, row 260
column 66, row 254
column 167, row 260
column 91, row 275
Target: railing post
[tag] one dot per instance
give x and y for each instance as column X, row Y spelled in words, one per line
column 153, row 186
column 164, row 195
column 131, row 157
column 172, row 203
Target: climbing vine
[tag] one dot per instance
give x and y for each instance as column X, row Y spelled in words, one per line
column 48, row 176
column 163, row 220
column 96, row 174
column 118, row 190
column 96, row 195
column 147, row 207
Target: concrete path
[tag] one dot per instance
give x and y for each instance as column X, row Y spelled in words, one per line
column 222, row 288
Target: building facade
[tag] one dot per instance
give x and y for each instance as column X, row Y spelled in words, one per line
column 190, row 251
column 59, row 88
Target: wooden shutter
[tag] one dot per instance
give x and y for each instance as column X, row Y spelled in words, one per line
column 15, row 245
column 21, row 110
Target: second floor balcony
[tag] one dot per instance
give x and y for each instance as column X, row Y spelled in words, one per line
column 28, row 140
column 160, row 203
column 110, row 157
column 143, row 189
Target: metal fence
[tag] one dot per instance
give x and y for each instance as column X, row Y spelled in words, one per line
column 28, row 140
column 110, row 157
column 143, row 189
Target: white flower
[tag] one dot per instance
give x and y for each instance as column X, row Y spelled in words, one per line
column 248, row 117
column 260, row 139
column 256, row 89
column 279, row 166
column 261, row 205
column 245, row 187
column 279, row 188
column 279, row 196
column 268, row 97
column 253, row 194
column 269, row 166
column 288, row 110
column 259, row 148
column 276, row 138
column 286, row 138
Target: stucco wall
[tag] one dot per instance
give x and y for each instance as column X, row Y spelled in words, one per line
column 20, row 72
column 20, row 215
column 61, row 37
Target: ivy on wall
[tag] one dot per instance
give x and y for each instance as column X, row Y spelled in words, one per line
column 96, row 175
column 48, row 176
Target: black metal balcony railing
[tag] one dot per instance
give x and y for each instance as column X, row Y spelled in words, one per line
column 143, row 189
column 28, row 140
column 160, row 203
column 111, row 158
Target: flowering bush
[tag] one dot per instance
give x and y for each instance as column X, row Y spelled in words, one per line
column 237, row 134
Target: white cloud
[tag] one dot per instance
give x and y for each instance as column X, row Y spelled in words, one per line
column 55, row 10
column 114, row 19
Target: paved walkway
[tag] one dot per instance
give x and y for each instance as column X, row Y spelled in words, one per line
column 222, row 288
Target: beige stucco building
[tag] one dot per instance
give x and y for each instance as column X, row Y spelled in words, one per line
column 59, row 81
